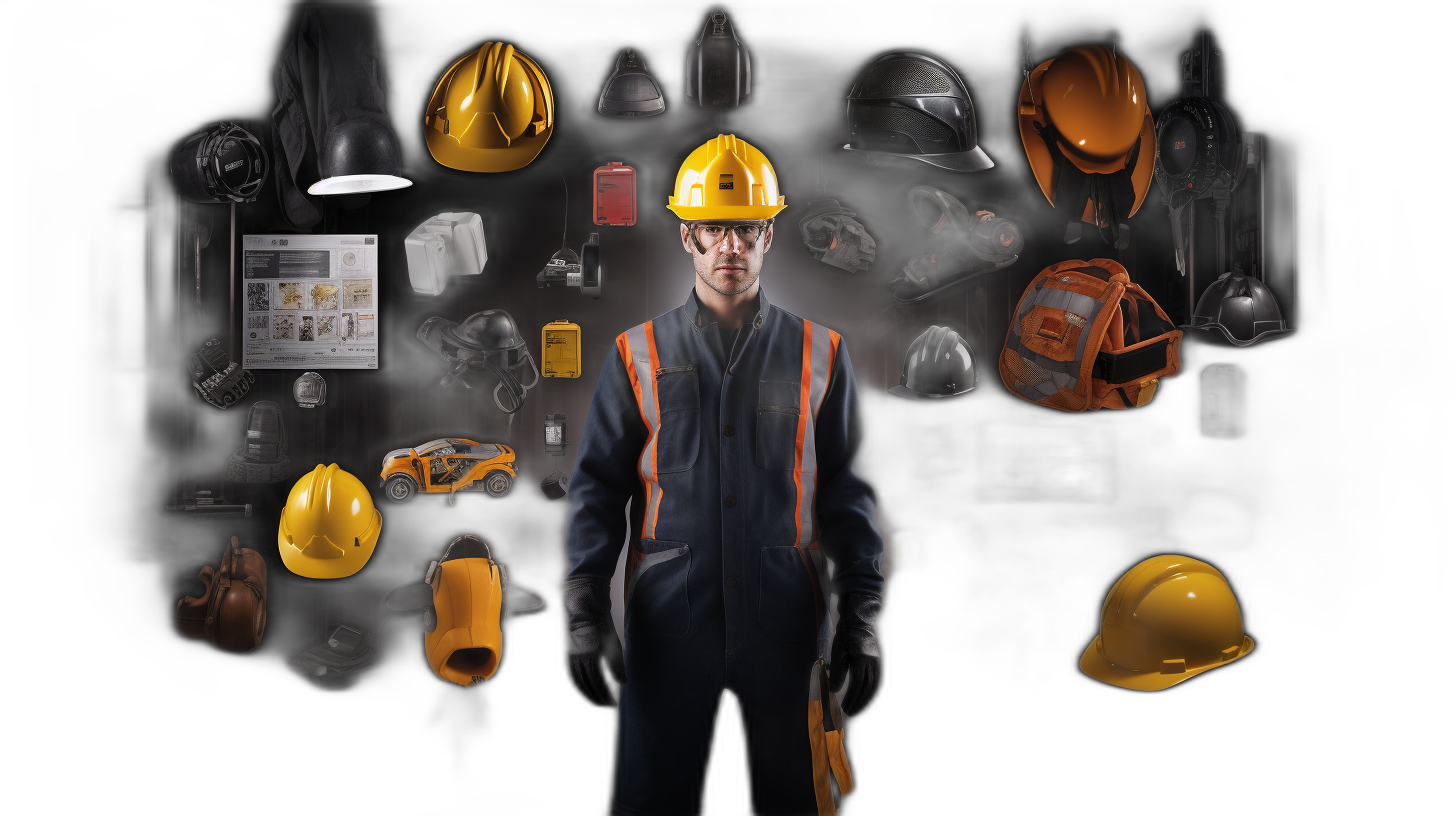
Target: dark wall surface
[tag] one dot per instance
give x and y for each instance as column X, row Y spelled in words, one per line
column 980, row 644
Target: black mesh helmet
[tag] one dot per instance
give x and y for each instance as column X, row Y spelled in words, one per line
column 486, row 343
column 1240, row 308
column 939, row 363
column 916, row 106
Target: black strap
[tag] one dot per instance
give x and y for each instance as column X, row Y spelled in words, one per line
column 1115, row 369
column 1069, row 184
column 1112, row 194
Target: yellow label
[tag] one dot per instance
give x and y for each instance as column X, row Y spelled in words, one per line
column 561, row 349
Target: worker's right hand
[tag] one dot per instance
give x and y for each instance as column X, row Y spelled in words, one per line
column 593, row 638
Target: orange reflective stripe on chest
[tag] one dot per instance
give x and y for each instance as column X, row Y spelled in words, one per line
column 639, row 354
column 820, row 347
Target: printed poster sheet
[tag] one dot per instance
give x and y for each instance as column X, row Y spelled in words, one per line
column 309, row 301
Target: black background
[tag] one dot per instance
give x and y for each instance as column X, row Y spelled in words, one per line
column 980, row 644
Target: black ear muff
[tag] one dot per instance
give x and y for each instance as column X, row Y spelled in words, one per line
column 186, row 171
column 1197, row 141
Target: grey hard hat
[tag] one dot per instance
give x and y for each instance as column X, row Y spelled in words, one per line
column 1240, row 308
column 939, row 363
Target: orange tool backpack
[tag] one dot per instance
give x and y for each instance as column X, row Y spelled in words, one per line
column 1085, row 337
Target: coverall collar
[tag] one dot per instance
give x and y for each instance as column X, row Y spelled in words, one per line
column 702, row 317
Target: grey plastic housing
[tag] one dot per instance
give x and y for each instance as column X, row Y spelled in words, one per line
column 446, row 246
column 1221, row 411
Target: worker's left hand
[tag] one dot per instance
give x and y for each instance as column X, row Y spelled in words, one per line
column 855, row 654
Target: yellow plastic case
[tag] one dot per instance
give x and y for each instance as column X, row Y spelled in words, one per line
column 561, row 349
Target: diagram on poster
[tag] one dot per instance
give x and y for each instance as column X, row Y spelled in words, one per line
column 308, row 301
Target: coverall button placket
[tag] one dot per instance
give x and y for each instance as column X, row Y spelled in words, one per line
column 730, row 467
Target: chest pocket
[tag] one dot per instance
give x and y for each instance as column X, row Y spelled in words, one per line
column 777, row 424
column 679, row 409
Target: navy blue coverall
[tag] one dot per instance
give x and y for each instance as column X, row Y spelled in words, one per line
column 740, row 484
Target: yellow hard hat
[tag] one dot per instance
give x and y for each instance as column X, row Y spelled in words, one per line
column 726, row 179
column 329, row 526
column 492, row 111
column 1167, row 619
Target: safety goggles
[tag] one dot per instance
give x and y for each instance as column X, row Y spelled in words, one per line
column 709, row 234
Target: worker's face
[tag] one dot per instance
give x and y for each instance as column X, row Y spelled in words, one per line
column 732, row 253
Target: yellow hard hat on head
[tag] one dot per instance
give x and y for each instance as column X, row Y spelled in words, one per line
column 726, row 179
column 492, row 111
column 1167, row 619
column 329, row 526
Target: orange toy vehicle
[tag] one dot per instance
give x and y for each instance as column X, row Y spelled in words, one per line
column 448, row 466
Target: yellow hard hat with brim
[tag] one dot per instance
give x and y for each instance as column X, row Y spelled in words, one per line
column 1167, row 619
column 726, row 179
column 329, row 526
column 492, row 111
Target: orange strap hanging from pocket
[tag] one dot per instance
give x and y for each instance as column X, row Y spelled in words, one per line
column 832, row 778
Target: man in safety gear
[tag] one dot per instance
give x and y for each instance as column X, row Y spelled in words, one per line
column 730, row 426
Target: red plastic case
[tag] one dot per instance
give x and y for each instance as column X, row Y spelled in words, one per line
column 614, row 200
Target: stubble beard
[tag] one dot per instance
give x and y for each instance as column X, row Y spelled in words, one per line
column 725, row 286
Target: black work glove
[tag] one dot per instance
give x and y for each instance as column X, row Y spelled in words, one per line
column 593, row 637
column 855, row 654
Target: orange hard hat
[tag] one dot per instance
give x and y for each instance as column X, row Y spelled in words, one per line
column 1165, row 620
column 1090, row 106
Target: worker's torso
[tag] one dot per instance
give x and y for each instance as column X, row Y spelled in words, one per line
column 726, row 529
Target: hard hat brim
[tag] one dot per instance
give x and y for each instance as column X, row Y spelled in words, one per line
column 361, row 183
column 760, row 212
column 616, row 107
column 910, row 393
column 300, row 564
column 1220, row 329
column 1097, row 667
column 970, row 161
column 1043, row 166
column 449, row 153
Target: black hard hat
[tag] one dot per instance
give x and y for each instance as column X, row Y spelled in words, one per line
column 916, row 106
column 719, row 73
column 939, row 363
column 360, row 155
column 221, row 164
column 492, row 330
column 1241, row 308
column 630, row 90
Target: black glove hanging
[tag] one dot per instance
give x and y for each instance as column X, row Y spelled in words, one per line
column 856, row 654
column 593, row 638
